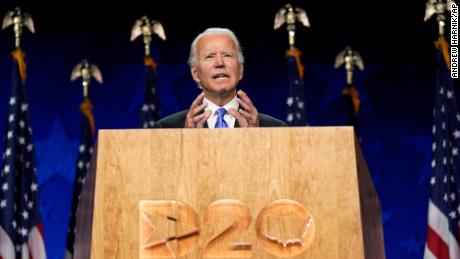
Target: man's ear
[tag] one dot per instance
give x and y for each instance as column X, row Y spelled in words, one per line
column 194, row 73
column 241, row 71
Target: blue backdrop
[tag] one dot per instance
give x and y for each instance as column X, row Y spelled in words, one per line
column 396, row 90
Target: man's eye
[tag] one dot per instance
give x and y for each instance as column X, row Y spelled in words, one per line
column 208, row 57
column 228, row 55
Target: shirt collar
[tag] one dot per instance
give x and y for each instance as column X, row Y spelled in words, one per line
column 227, row 117
column 213, row 107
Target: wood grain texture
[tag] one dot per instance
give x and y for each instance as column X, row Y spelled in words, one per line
column 315, row 166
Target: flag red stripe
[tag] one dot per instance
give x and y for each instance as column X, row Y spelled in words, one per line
column 40, row 229
column 436, row 245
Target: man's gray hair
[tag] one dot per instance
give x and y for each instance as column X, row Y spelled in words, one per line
column 192, row 60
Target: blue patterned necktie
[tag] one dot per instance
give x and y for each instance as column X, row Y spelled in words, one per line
column 220, row 123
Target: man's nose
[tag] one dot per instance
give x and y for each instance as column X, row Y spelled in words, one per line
column 219, row 61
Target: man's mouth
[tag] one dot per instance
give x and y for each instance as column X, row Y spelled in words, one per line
column 221, row 76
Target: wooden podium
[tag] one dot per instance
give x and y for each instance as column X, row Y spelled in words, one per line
column 302, row 192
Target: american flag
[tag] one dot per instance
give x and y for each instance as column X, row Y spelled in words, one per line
column 443, row 233
column 21, row 232
column 296, row 114
column 83, row 162
column 150, row 112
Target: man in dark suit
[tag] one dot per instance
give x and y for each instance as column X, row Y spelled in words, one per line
column 216, row 63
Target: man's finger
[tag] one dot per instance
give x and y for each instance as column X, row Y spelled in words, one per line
column 247, row 106
column 198, row 109
column 246, row 103
column 240, row 118
column 198, row 100
column 253, row 119
column 248, row 110
column 203, row 119
column 246, row 114
column 194, row 121
column 195, row 107
column 243, row 96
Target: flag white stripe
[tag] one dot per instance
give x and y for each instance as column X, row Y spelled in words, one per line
column 24, row 252
column 454, row 249
column 36, row 244
column 440, row 224
column 428, row 254
column 438, row 221
column 6, row 245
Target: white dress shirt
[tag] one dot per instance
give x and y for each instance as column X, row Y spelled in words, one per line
column 227, row 117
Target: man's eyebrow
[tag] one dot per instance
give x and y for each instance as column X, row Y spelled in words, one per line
column 208, row 53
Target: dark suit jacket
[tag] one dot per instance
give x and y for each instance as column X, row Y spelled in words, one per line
column 177, row 120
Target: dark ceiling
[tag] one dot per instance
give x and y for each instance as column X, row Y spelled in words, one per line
column 377, row 28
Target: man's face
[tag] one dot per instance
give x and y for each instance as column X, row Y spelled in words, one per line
column 217, row 69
